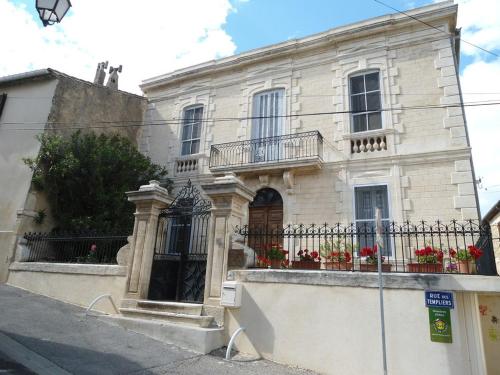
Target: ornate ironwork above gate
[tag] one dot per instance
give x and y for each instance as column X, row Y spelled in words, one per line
column 180, row 257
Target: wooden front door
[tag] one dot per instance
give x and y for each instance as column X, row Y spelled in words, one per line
column 265, row 219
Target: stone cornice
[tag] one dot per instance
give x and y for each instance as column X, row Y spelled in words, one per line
column 69, row 268
column 444, row 10
column 418, row 281
column 405, row 159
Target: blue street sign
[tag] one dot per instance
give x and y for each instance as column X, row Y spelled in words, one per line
column 436, row 298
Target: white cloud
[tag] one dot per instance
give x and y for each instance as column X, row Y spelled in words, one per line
column 484, row 126
column 480, row 22
column 147, row 38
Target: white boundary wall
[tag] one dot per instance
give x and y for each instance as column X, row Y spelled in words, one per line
column 78, row 284
column 329, row 322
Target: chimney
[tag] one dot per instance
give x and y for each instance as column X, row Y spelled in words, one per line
column 100, row 73
column 113, row 77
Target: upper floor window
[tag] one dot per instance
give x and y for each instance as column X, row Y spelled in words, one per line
column 191, row 130
column 267, row 112
column 365, row 102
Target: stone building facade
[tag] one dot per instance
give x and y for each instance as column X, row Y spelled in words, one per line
column 35, row 102
column 360, row 115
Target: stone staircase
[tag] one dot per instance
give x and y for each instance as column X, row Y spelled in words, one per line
column 181, row 324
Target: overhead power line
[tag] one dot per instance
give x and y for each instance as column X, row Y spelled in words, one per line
column 436, row 28
column 140, row 123
column 422, row 94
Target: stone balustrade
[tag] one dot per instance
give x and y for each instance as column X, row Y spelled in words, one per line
column 368, row 144
column 185, row 166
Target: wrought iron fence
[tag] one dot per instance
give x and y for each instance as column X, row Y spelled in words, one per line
column 457, row 247
column 264, row 150
column 72, row 247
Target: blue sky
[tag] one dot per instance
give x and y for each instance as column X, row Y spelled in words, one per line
column 166, row 35
column 257, row 23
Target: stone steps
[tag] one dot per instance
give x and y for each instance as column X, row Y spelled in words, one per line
column 182, row 308
column 181, row 324
column 171, row 317
column 198, row 339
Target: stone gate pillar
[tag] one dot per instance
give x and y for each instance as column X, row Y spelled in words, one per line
column 228, row 195
column 149, row 201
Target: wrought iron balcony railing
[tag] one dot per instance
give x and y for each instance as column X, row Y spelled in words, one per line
column 271, row 150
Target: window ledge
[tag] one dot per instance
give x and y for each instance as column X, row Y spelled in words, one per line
column 197, row 156
column 369, row 133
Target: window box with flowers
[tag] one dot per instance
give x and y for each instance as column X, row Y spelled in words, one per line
column 429, row 260
column 275, row 257
column 464, row 260
column 308, row 261
column 371, row 260
column 338, row 255
column 339, row 260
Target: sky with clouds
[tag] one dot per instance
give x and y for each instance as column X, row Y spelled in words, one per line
column 153, row 37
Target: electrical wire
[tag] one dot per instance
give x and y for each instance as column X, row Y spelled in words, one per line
column 436, row 28
column 140, row 123
column 298, row 95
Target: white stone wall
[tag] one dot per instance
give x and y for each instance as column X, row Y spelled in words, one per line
column 78, row 284
column 332, row 325
column 426, row 165
column 15, row 176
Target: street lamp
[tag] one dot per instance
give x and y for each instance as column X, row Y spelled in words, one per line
column 52, row 11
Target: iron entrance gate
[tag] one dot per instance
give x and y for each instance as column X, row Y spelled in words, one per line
column 180, row 257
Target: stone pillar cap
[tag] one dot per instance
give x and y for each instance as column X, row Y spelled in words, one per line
column 228, row 178
column 146, row 192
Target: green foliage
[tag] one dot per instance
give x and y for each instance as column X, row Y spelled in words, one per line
column 40, row 216
column 85, row 179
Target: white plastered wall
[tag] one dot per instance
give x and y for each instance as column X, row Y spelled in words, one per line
column 16, row 144
column 336, row 330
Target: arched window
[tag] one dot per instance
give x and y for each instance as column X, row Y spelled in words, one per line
column 191, row 130
column 366, row 106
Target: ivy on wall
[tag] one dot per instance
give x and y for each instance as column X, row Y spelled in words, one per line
column 85, row 178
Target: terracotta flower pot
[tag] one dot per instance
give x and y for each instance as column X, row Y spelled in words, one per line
column 339, row 266
column 425, row 267
column 466, row 266
column 306, row 265
column 276, row 263
column 368, row 267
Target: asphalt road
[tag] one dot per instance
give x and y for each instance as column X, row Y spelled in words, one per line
column 44, row 336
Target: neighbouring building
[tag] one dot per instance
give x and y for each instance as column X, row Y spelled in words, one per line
column 492, row 218
column 44, row 100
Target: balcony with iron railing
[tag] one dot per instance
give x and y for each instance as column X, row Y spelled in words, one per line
column 301, row 150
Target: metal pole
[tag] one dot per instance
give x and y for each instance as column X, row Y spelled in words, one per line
column 379, row 242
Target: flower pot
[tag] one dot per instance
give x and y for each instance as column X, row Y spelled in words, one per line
column 339, row 266
column 466, row 266
column 306, row 265
column 276, row 263
column 367, row 267
column 425, row 267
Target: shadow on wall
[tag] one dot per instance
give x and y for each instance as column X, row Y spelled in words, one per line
column 258, row 329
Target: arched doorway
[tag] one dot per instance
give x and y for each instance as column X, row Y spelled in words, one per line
column 265, row 218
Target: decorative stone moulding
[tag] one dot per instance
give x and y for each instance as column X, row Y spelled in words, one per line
column 368, row 144
column 185, row 166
